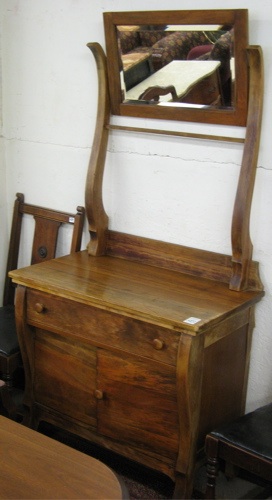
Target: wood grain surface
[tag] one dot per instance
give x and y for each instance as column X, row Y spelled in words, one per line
column 35, row 466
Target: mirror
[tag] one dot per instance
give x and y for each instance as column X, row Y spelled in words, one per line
column 179, row 65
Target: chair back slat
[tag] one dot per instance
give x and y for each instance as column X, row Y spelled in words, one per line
column 46, row 232
column 45, row 239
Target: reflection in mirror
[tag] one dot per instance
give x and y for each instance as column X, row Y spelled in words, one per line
column 181, row 64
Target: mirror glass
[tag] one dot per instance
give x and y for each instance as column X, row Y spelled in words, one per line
column 182, row 64
column 192, row 69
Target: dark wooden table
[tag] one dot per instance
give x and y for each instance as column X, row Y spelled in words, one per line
column 35, row 466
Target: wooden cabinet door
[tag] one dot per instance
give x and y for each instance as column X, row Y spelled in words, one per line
column 137, row 402
column 64, row 376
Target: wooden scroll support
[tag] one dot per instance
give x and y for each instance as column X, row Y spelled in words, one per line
column 242, row 271
column 240, row 234
column 97, row 217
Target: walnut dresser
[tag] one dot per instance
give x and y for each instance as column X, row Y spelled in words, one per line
column 139, row 345
column 140, row 359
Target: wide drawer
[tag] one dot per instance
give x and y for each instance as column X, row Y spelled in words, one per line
column 101, row 327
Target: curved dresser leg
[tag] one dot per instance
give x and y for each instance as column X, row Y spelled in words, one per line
column 23, row 333
column 189, row 384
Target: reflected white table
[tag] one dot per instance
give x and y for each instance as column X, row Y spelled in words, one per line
column 184, row 75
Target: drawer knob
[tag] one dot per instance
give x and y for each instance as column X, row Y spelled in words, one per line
column 98, row 394
column 158, row 344
column 39, row 308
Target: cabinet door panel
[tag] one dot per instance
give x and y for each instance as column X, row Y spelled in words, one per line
column 139, row 402
column 65, row 373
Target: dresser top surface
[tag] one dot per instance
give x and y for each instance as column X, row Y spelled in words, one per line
column 160, row 296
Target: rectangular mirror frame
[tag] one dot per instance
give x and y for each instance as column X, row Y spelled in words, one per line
column 238, row 18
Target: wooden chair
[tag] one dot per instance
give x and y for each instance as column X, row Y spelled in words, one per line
column 47, row 224
column 244, row 444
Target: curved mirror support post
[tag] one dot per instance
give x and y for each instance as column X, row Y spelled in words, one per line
column 241, row 242
column 243, row 272
column 97, row 217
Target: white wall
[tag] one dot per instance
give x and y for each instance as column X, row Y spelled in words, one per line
column 49, row 99
column 3, row 218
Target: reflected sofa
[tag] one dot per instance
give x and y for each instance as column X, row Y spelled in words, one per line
column 162, row 46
